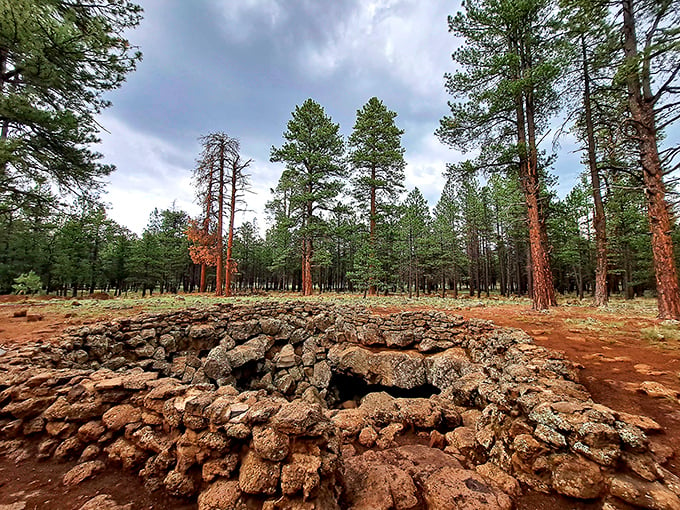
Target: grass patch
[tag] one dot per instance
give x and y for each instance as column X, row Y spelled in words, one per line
column 592, row 324
column 662, row 336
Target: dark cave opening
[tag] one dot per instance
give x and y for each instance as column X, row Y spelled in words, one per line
column 345, row 388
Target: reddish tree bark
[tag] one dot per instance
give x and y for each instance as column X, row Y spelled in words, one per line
column 206, row 224
column 542, row 288
column 238, row 181
column 641, row 104
column 307, row 248
column 230, row 235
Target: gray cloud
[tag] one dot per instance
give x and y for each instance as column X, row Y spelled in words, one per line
column 242, row 67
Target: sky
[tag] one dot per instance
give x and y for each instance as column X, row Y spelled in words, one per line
column 241, row 67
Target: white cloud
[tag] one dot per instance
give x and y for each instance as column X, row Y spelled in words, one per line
column 246, row 18
column 407, row 39
column 150, row 173
column 426, row 164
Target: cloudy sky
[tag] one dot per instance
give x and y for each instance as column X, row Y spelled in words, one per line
column 242, row 66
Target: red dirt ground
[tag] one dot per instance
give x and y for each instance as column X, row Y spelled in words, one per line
column 615, row 358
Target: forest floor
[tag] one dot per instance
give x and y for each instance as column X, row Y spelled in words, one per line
column 621, row 348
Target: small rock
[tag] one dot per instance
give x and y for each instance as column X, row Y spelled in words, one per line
column 82, row 472
column 296, row 417
column 270, row 444
column 368, row 437
column 180, row 484
column 221, row 495
column 642, row 493
column 258, row 476
column 91, row 431
column 657, row 390
column 119, row 416
column 500, row 478
column 90, row 452
column 456, row 488
column 222, row 467
column 104, row 502
column 577, row 478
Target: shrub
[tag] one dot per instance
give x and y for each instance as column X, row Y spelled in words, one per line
column 27, row 283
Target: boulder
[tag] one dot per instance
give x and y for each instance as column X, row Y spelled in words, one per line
column 217, row 364
column 388, row 368
column 462, row 489
column 119, row 416
column 576, row 477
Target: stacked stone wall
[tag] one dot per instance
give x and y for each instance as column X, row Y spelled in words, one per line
column 236, row 404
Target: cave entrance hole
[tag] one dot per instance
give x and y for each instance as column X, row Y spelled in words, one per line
column 344, row 389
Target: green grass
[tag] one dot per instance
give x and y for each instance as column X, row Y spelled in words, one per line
column 662, row 336
column 592, row 324
column 91, row 308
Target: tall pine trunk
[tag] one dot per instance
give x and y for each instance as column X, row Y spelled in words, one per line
column 372, row 289
column 641, row 103
column 230, row 235
column 599, row 220
column 540, row 277
column 219, row 288
column 307, row 249
column 206, row 225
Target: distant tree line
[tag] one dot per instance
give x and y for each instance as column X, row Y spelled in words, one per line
column 473, row 242
column 340, row 218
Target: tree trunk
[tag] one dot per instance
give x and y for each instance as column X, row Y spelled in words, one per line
column 206, row 225
column 641, row 105
column 230, row 236
column 307, row 249
column 219, row 288
column 372, row 289
column 542, row 287
column 599, row 219
column 201, row 287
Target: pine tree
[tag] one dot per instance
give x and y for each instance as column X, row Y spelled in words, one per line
column 590, row 36
column 447, row 231
column 509, row 67
column 415, row 225
column 220, row 181
column 651, row 74
column 57, row 59
column 314, row 157
column 377, row 158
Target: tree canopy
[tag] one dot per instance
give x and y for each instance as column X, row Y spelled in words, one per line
column 57, row 59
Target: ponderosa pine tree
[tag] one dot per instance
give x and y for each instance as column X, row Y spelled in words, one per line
column 447, row 230
column 651, row 74
column 314, row 156
column 415, row 225
column 509, row 67
column 239, row 182
column 590, row 35
column 200, row 232
column 282, row 236
column 377, row 158
column 57, row 59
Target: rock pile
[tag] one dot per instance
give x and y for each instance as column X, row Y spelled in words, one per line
column 240, row 407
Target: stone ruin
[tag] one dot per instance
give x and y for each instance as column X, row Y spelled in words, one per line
column 301, row 406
